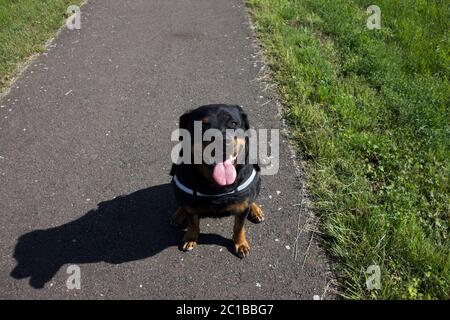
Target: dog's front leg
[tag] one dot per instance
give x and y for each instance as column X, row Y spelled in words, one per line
column 179, row 217
column 191, row 236
column 256, row 215
column 241, row 246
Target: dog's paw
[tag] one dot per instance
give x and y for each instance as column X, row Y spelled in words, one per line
column 189, row 245
column 256, row 215
column 242, row 249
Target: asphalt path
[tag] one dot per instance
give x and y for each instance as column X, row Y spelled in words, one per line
column 85, row 159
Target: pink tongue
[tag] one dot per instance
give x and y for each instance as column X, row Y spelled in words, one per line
column 224, row 173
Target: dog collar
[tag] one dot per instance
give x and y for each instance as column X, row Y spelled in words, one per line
column 194, row 193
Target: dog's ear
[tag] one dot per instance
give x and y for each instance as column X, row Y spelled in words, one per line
column 244, row 117
column 184, row 120
column 183, row 124
column 173, row 169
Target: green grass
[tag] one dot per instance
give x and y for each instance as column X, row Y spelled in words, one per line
column 25, row 26
column 369, row 110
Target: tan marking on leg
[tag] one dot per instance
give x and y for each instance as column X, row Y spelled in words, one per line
column 256, row 215
column 241, row 246
column 190, row 238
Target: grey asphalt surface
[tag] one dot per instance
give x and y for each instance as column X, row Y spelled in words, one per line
column 85, row 159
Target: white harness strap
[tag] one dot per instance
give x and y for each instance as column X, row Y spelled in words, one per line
column 239, row 188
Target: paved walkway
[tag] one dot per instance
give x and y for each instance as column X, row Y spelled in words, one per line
column 85, row 159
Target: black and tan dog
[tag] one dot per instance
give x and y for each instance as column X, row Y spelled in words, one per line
column 218, row 189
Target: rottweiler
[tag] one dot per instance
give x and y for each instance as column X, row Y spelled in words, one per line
column 217, row 188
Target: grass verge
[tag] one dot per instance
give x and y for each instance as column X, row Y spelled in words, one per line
column 25, row 26
column 369, row 110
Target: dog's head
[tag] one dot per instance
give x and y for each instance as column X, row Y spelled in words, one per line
column 229, row 123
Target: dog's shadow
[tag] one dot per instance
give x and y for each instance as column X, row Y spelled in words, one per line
column 127, row 228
